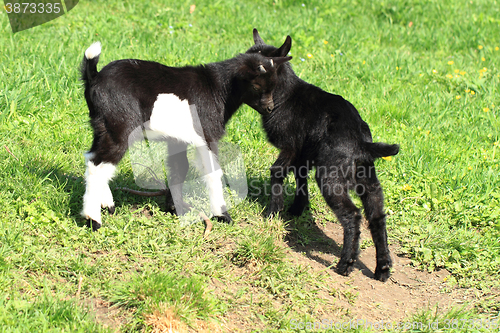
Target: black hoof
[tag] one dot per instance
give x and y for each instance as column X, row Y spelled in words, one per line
column 345, row 268
column 224, row 218
column 170, row 206
column 171, row 210
column 94, row 225
column 111, row 210
column 383, row 274
column 275, row 209
column 272, row 213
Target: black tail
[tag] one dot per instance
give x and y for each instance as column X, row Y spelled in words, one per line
column 380, row 149
column 89, row 63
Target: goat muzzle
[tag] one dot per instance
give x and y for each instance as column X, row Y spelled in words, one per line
column 269, row 106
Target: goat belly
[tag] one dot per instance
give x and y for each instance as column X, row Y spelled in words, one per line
column 174, row 118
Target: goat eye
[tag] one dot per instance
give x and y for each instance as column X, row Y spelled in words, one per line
column 255, row 87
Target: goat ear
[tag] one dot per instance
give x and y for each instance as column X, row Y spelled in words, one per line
column 256, row 38
column 284, row 49
column 277, row 61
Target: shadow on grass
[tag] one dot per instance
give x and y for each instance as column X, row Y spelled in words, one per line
column 304, row 235
column 74, row 186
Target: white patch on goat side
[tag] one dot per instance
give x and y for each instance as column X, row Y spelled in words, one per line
column 93, row 51
column 97, row 191
column 172, row 118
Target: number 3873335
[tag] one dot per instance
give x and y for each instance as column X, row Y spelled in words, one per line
column 32, row 8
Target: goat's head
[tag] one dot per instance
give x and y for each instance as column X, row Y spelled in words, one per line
column 261, row 75
column 268, row 50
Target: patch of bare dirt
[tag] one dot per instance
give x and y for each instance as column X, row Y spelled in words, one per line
column 358, row 296
column 408, row 290
column 105, row 314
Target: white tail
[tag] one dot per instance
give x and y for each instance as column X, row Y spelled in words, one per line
column 93, row 51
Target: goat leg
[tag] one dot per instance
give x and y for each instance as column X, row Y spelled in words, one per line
column 336, row 194
column 371, row 194
column 279, row 170
column 301, row 193
column 350, row 248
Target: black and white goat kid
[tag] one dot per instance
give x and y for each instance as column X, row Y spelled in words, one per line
column 313, row 128
column 129, row 94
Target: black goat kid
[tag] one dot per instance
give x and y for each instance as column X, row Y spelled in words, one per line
column 187, row 105
column 313, row 128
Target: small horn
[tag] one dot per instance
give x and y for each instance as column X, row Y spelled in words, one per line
column 261, row 69
column 256, row 38
column 272, row 63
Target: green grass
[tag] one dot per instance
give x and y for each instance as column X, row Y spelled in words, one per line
column 152, row 290
column 46, row 314
column 422, row 73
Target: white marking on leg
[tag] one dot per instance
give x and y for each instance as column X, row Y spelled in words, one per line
column 213, row 179
column 97, row 192
column 91, row 198
column 107, row 173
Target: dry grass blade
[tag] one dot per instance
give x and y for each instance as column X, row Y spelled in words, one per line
column 208, row 225
column 80, row 282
